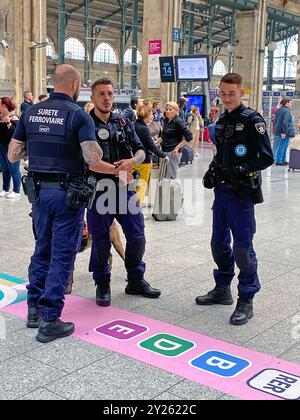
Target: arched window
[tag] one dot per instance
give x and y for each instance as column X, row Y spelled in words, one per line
column 104, row 53
column 50, row 48
column 128, row 57
column 219, row 68
column 75, row 47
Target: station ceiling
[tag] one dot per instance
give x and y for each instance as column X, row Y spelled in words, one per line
column 107, row 15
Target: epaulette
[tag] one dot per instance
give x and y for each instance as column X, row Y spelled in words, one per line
column 248, row 112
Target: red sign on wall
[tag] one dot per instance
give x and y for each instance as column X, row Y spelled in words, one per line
column 155, row 47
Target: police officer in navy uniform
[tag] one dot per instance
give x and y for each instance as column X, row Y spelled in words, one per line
column 59, row 136
column 122, row 150
column 242, row 150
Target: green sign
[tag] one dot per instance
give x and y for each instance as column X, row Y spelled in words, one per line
column 167, row 345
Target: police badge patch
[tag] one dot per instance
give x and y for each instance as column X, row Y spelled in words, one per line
column 103, row 134
column 261, row 128
column 241, row 150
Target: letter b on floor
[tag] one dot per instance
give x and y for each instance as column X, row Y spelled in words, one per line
column 221, row 364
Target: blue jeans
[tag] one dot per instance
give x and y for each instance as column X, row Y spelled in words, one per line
column 276, row 143
column 10, row 170
column 281, row 153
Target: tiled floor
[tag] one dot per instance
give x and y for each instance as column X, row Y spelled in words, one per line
column 179, row 262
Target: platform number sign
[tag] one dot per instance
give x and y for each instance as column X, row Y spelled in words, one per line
column 167, row 72
column 176, row 35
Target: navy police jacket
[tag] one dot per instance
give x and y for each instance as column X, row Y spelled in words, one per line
column 117, row 139
column 241, row 139
column 53, row 131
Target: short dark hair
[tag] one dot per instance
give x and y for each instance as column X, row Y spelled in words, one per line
column 181, row 102
column 42, row 96
column 134, row 102
column 102, row 81
column 233, row 79
column 285, row 101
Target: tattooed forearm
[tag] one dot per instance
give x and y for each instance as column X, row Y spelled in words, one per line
column 92, row 152
column 16, row 150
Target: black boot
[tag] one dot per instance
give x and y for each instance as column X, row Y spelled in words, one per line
column 220, row 295
column 243, row 312
column 33, row 317
column 142, row 288
column 103, row 294
column 50, row 331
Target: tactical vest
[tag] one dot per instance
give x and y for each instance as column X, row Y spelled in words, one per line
column 115, row 139
column 233, row 142
column 52, row 144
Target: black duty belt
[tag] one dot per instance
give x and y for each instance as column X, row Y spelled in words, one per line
column 50, row 185
column 48, row 177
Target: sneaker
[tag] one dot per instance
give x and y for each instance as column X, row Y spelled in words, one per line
column 13, row 196
column 4, row 193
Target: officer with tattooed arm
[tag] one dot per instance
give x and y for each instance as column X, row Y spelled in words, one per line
column 122, row 149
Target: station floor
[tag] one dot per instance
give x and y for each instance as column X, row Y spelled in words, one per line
column 179, row 262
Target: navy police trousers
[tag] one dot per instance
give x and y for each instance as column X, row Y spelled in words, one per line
column 234, row 215
column 58, row 233
column 133, row 227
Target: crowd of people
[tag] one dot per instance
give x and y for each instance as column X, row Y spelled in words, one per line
column 117, row 150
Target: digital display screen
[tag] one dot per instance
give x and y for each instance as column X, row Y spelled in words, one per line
column 192, row 68
column 167, row 72
column 198, row 101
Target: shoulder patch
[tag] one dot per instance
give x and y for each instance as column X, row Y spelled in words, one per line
column 261, row 128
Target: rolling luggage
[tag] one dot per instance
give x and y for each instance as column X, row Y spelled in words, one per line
column 294, row 160
column 168, row 198
column 187, row 156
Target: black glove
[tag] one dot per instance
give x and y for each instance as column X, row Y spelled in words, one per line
column 209, row 179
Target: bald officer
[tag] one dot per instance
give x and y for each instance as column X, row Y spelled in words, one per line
column 59, row 138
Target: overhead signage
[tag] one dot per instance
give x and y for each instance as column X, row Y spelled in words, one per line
column 176, row 35
column 192, row 68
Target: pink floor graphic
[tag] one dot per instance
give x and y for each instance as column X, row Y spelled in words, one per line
column 234, row 370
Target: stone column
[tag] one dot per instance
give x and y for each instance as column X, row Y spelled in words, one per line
column 160, row 16
column 23, row 25
column 250, row 51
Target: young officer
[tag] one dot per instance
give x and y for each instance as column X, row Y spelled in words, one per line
column 123, row 150
column 242, row 150
column 59, row 136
